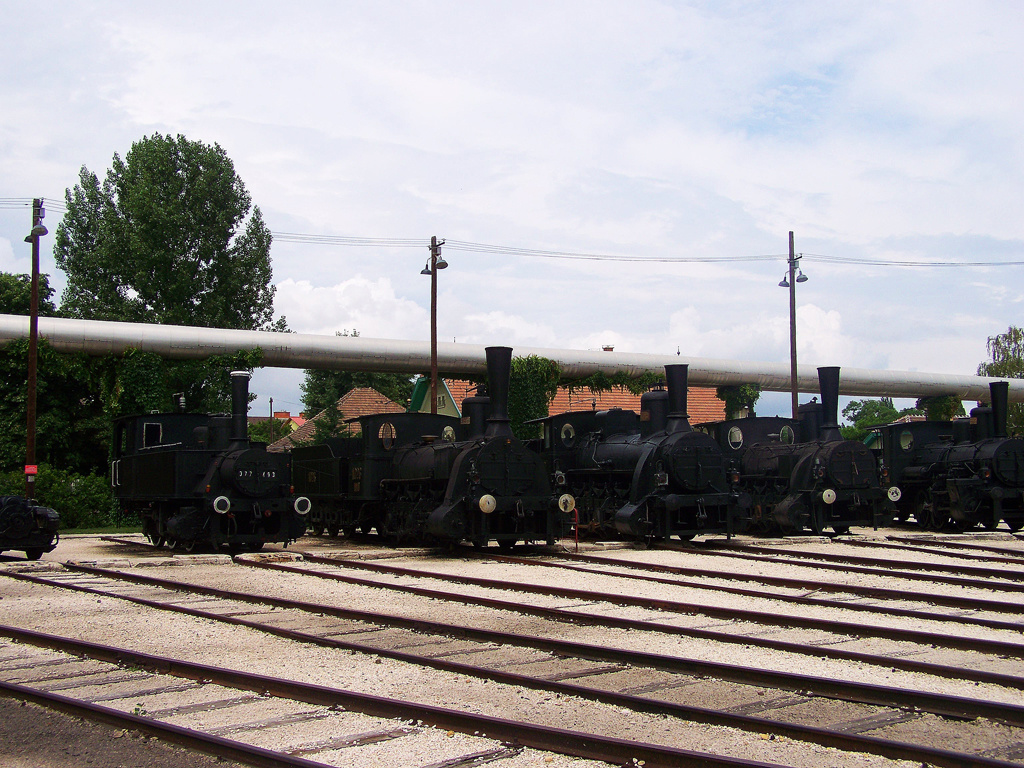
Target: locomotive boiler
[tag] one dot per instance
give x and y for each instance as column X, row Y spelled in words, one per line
column 197, row 480
column 959, row 473
column 414, row 476
column 27, row 527
column 800, row 473
column 649, row 476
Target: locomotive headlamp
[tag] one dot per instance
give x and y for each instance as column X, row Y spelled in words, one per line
column 828, row 496
column 487, row 503
column 566, row 503
column 302, row 505
column 894, row 493
column 222, row 505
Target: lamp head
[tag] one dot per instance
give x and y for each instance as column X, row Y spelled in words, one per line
column 801, row 277
column 441, row 263
column 37, row 231
column 784, row 283
column 426, row 270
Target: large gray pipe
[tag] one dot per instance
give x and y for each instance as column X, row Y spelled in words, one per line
column 358, row 353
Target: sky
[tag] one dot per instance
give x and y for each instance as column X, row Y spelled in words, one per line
column 880, row 133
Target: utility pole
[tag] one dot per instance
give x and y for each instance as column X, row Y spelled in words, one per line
column 38, row 230
column 436, row 262
column 271, row 420
column 792, row 327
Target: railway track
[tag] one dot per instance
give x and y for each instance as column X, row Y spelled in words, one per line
column 563, row 662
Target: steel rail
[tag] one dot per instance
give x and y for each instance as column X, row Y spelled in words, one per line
column 966, row 603
column 824, row 736
column 899, row 565
column 924, row 548
column 931, row 578
column 997, row 647
column 559, row 740
column 968, row 545
column 199, row 741
column 563, row 615
column 759, row 594
column 940, row 704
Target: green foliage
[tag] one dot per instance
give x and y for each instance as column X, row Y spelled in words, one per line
column 736, row 398
column 532, row 386
column 268, row 430
column 16, row 295
column 602, row 382
column 870, row 413
column 71, row 429
column 81, row 500
column 1006, row 351
column 942, row 408
column 161, row 241
column 141, row 382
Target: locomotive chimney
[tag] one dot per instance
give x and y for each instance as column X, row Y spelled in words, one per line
column 999, row 392
column 240, row 405
column 499, row 368
column 676, row 376
column 828, row 381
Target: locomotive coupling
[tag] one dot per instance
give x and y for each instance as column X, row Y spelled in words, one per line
column 828, row 496
column 302, row 506
column 566, row 503
column 222, row 505
column 487, row 503
column 894, row 493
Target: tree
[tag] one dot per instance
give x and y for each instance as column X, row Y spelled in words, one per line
column 160, row 241
column 737, row 398
column 1007, row 353
column 71, row 431
column 533, row 383
column 870, row 413
column 169, row 237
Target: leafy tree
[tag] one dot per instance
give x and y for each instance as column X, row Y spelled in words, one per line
column 1007, row 353
column 736, row 398
column 864, row 414
column 268, row 430
column 169, row 237
column 162, row 241
column 71, row 431
column 941, row 408
column 533, row 383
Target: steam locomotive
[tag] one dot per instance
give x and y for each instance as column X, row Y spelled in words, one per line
column 28, row 527
column 959, row 473
column 649, row 476
column 197, row 479
column 801, row 473
column 422, row 477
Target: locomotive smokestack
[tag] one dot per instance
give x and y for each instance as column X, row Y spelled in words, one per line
column 677, row 376
column 240, row 405
column 828, row 381
column 499, row 369
column 999, row 391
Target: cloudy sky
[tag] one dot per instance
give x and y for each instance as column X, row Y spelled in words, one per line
column 878, row 132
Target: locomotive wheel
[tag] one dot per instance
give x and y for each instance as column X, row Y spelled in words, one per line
column 840, row 530
column 686, row 536
column 506, row 544
column 1015, row 523
column 332, row 530
column 33, row 553
column 158, row 541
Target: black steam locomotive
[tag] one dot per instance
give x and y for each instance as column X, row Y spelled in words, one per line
column 649, row 476
column 415, row 476
column 28, row 527
column 960, row 473
column 801, row 473
column 197, row 479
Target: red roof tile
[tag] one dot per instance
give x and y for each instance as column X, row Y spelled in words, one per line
column 361, row 401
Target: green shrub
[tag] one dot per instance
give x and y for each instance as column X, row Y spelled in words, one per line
column 82, row 501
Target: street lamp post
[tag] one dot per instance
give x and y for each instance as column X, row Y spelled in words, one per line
column 436, row 262
column 794, row 276
column 38, row 230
